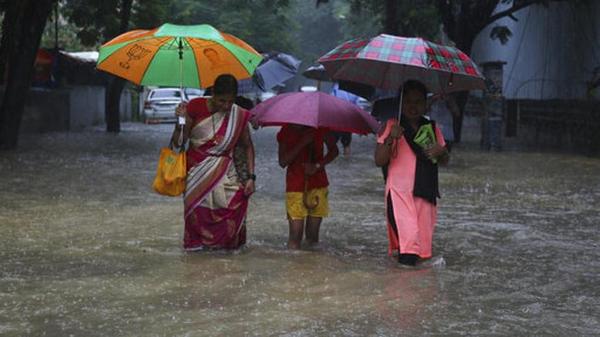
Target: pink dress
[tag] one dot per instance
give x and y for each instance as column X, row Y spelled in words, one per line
column 415, row 217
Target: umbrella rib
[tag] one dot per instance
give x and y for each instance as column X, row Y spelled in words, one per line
column 125, row 44
column 172, row 42
column 187, row 42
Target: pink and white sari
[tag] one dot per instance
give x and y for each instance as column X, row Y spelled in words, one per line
column 214, row 202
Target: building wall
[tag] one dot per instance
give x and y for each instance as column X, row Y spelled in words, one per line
column 68, row 109
column 552, row 53
column 86, row 107
column 45, row 110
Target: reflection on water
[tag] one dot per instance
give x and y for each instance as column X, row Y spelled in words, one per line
column 87, row 249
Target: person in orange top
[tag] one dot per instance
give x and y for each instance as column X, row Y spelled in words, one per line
column 411, row 189
column 301, row 151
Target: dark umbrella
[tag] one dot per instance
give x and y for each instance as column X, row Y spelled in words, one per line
column 275, row 69
column 359, row 89
column 316, row 72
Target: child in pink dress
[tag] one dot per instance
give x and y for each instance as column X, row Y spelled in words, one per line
column 412, row 182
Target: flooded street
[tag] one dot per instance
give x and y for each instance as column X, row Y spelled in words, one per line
column 88, row 249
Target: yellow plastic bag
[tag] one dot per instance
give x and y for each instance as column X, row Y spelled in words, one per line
column 170, row 173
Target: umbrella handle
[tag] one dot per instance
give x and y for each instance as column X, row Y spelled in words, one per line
column 395, row 148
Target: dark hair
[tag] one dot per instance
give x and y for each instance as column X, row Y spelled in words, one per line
column 414, row 85
column 225, row 84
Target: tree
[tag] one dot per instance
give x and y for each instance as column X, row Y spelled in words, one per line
column 116, row 85
column 60, row 33
column 22, row 28
column 264, row 24
column 405, row 18
column 319, row 30
column 463, row 20
column 101, row 20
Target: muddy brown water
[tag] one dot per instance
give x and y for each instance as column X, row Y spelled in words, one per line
column 87, row 249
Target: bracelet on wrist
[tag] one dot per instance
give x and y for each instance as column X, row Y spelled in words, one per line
column 252, row 176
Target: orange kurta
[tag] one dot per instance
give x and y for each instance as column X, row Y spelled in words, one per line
column 415, row 217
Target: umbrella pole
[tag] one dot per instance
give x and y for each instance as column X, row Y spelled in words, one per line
column 180, row 48
column 181, row 120
column 395, row 145
column 400, row 105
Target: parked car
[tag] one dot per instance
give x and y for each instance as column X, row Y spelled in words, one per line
column 192, row 93
column 161, row 103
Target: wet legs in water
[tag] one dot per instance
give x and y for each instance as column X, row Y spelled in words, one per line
column 345, row 138
column 310, row 225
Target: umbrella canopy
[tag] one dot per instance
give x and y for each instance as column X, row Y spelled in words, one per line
column 274, row 69
column 387, row 61
column 173, row 55
column 316, row 72
column 314, row 109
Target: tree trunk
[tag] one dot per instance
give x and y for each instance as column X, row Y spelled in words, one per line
column 7, row 24
column 28, row 19
column 465, row 44
column 113, row 100
column 115, row 87
column 457, row 121
column 462, row 22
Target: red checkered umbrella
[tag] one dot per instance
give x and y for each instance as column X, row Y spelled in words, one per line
column 387, row 61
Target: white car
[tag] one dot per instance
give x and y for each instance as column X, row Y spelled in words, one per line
column 192, row 93
column 161, row 103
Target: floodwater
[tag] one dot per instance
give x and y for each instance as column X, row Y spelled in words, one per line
column 87, row 249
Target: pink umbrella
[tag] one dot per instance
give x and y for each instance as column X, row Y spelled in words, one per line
column 314, row 109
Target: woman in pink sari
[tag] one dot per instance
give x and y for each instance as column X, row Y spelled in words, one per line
column 215, row 200
column 412, row 180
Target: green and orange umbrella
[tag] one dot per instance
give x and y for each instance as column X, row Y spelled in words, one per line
column 179, row 56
